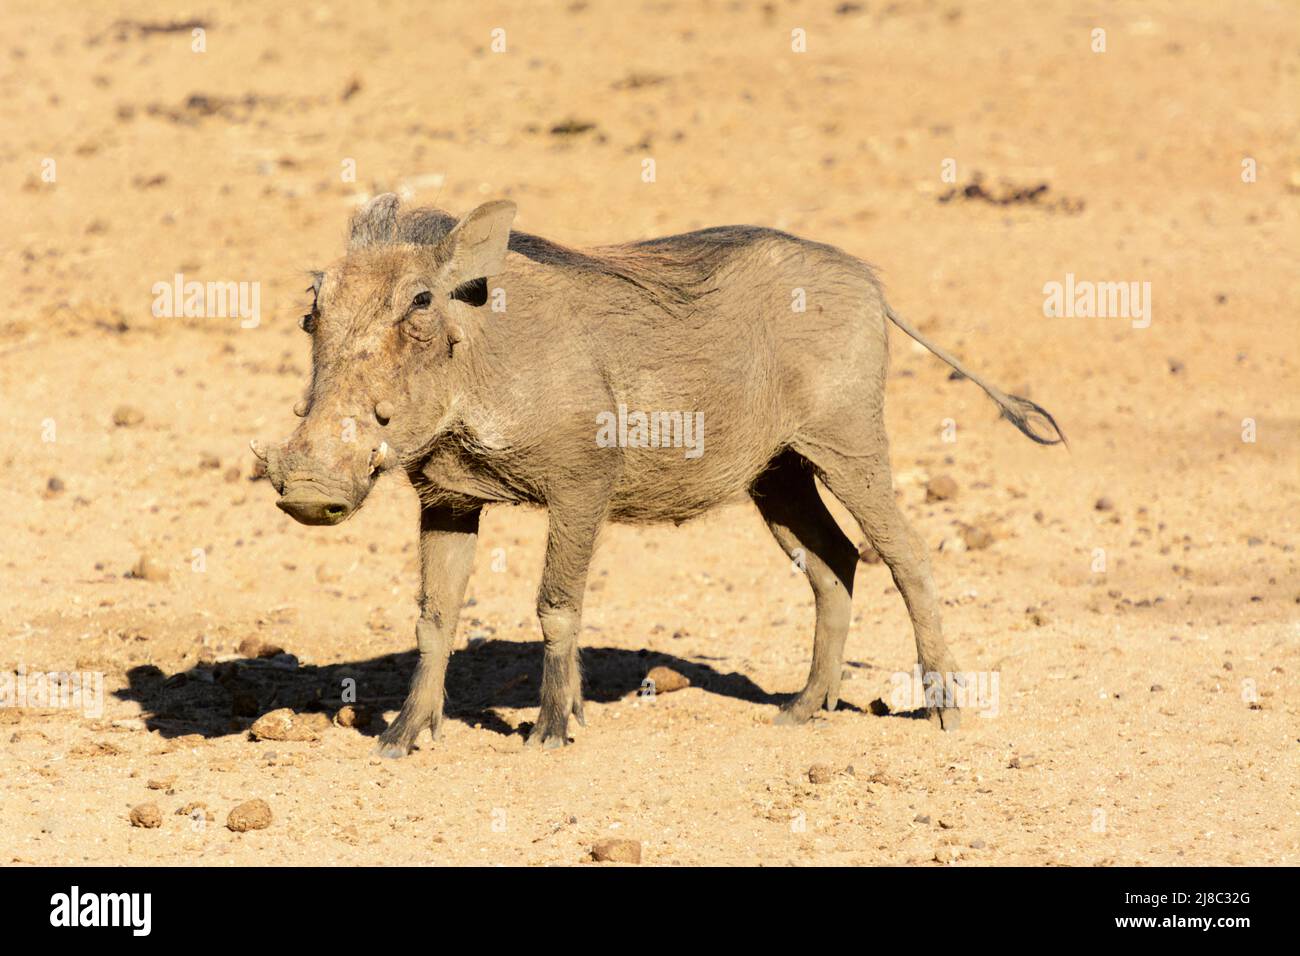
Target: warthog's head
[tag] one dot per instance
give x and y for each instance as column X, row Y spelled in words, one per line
column 386, row 326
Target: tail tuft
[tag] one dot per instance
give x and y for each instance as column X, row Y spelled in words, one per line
column 1033, row 420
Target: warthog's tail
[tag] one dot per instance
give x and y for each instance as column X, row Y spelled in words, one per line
column 1034, row 420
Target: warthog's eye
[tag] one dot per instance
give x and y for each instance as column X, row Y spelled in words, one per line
column 422, row 300
column 308, row 323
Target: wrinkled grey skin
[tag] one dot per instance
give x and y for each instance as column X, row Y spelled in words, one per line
column 413, row 371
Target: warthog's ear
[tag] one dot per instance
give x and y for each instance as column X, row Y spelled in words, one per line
column 375, row 223
column 476, row 247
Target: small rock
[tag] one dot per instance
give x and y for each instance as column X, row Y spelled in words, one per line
column 1104, row 504
column 162, row 783
column 352, row 716
column 125, row 416
column 1036, row 617
column 947, row 854
column 232, row 474
column 209, row 461
column 1175, row 366
column 54, row 486
column 148, row 568
column 940, row 488
column 921, row 818
column 1157, row 688
column 820, row 773
column 252, row 815
column 1022, row 761
column 285, row 724
column 256, row 647
column 975, row 538
column 977, row 844
column 666, row 680
column 616, row 851
column 867, row 554
column 146, row 815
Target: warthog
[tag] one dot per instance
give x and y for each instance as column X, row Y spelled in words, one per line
column 488, row 365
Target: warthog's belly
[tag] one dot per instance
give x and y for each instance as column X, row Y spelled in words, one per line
column 663, row 484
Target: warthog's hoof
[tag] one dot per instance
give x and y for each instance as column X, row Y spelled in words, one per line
column 791, row 717
column 392, row 749
column 947, row 718
column 539, row 736
column 800, row 710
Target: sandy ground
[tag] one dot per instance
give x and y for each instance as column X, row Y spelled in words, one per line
column 1146, row 651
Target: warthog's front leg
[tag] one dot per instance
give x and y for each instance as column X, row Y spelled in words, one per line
column 570, row 541
column 446, row 558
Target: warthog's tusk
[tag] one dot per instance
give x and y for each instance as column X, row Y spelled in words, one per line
column 379, row 456
column 258, row 449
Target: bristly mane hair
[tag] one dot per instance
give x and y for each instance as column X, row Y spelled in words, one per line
column 673, row 273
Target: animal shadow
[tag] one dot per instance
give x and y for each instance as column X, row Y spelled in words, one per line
column 216, row 700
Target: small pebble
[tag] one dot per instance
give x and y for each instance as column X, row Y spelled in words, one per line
column 616, row 851
column 125, row 416
column 285, row 724
column 251, row 815
column 940, row 488
column 820, row 773
column 146, row 815
column 148, row 568
column 976, row 538
column 666, row 680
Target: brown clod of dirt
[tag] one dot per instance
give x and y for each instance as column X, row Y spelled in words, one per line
column 148, row 568
column 286, row 724
column 256, row 647
column 666, row 680
column 940, row 488
column 821, row 773
column 146, row 815
column 616, row 851
column 126, row 416
column 353, row 715
column 251, row 815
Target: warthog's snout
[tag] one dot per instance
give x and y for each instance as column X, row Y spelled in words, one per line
column 309, row 506
column 309, row 492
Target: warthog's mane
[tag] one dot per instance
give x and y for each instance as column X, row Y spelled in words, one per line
column 673, row 272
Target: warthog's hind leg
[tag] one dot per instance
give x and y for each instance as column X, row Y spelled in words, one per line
column 447, row 541
column 787, row 497
column 864, row 484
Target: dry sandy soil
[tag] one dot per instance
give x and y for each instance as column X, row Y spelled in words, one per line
column 1147, row 711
